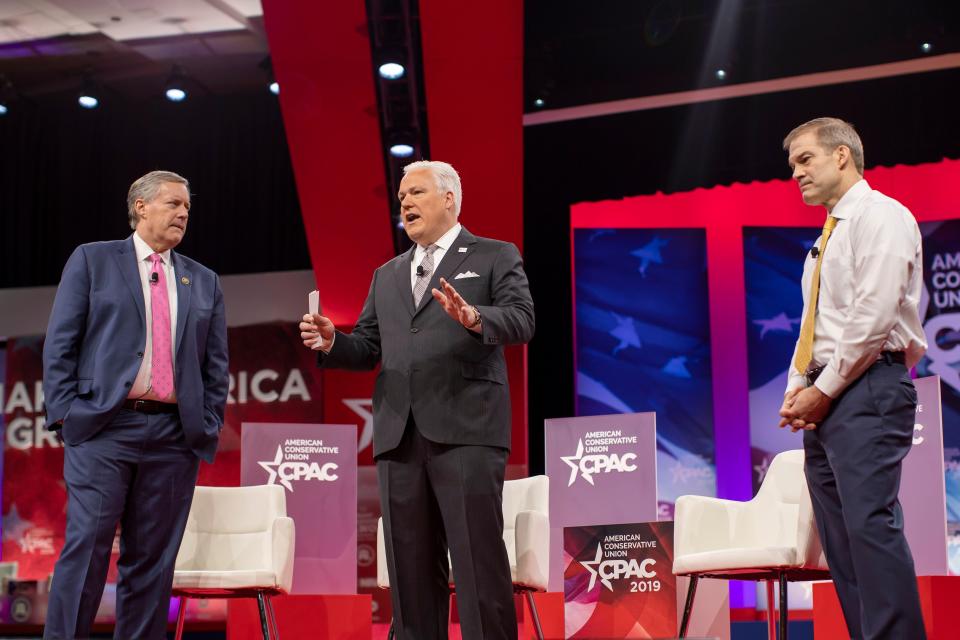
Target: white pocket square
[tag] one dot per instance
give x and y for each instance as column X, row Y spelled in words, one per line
column 466, row 274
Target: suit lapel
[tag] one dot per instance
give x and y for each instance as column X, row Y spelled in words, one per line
column 401, row 271
column 126, row 258
column 184, row 288
column 452, row 259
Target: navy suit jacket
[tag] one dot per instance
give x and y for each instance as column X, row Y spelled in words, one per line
column 96, row 336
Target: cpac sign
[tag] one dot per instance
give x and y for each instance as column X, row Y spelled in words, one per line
column 617, row 569
column 587, row 465
column 294, row 471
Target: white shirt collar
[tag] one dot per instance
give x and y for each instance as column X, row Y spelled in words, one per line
column 446, row 240
column 144, row 251
column 847, row 206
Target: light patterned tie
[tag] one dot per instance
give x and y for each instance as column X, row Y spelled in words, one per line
column 420, row 286
column 805, row 345
column 161, row 369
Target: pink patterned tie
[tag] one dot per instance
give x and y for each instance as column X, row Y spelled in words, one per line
column 161, row 371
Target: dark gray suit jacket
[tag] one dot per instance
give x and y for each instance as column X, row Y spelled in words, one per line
column 452, row 380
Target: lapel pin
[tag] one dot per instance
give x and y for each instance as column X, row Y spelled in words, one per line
column 185, row 280
column 462, row 249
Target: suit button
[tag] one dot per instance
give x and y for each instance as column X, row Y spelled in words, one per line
column 139, row 354
column 414, row 329
column 127, row 384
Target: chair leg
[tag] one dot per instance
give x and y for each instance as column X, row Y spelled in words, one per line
column 273, row 619
column 771, row 612
column 784, row 613
column 390, row 631
column 688, row 606
column 534, row 614
column 263, row 615
column 181, row 613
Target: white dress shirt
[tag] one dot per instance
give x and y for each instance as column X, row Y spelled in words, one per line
column 141, row 389
column 444, row 243
column 870, row 287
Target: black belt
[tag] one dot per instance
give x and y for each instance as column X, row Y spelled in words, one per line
column 890, row 357
column 150, row 406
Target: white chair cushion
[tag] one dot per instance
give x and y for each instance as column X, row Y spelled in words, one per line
column 736, row 558
column 225, row 580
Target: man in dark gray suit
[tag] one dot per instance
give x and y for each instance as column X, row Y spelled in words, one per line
column 441, row 407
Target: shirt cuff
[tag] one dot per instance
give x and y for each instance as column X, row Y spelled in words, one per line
column 796, row 381
column 318, row 344
column 831, row 382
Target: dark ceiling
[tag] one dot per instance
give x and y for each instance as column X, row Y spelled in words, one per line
column 580, row 53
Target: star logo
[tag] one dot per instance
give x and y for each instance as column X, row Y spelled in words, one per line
column 574, row 463
column 363, row 407
column 591, row 566
column 762, row 469
column 271, row 468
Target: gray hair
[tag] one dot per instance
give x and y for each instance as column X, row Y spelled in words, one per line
column 446, row 177
column 145, row 188
column 831, row 133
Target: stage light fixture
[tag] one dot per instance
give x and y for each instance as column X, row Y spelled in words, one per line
column 391, row 71
column 401, row 150
column 275, row 88
column 175, row 88
column 88, row 97
column 539, row 102
column 3, row 109
column 926, row 47
column 721, row 74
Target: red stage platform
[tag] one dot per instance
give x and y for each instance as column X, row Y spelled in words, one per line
column 939, row 598
column 344, row 617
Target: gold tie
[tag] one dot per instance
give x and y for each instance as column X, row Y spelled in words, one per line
column 805, row 345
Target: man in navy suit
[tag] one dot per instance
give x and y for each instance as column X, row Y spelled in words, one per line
column 135, row 380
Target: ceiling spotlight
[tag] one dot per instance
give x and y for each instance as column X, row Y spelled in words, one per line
column 275, row 88
column 391, row 71
column 3, row 109
column 401, row 150
column 721, row 74
column 539, row 102
column 926, row 47
column 87, row 98
column 175, row 88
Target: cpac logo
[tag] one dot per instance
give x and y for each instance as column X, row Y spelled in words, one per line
column 290, row 472
column 621, row 569
column 588, row 465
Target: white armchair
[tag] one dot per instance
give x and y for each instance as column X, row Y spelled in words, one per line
column 526, row 535
column 772, row 537
column 238, row 543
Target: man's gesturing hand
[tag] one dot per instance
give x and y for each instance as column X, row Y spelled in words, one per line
column 316, row 325
column 455, row 306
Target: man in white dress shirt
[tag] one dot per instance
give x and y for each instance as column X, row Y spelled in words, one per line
column 850, row 388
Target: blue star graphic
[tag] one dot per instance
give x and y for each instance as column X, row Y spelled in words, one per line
column 14, row 526
column 677, row 367
column 625, row 332
column 649, row 253
column 779, row 322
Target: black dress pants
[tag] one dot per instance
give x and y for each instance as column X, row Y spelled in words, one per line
column 435, row 498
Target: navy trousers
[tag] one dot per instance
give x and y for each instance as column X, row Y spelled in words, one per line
column 853, row 463
column 138, row 472
column 436, row 497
